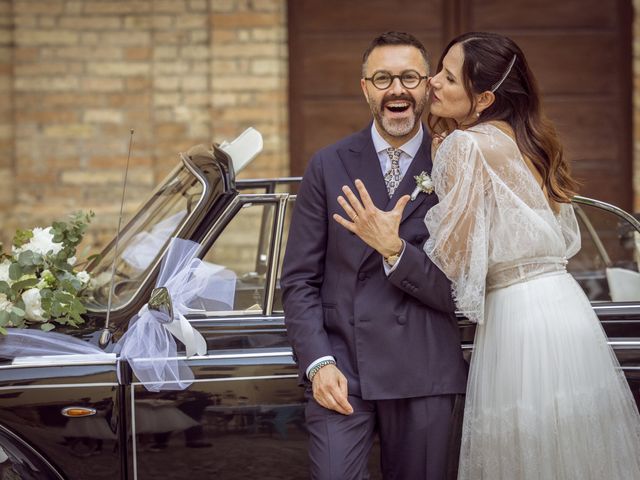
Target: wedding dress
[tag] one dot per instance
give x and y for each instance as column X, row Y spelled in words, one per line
column 546, row 399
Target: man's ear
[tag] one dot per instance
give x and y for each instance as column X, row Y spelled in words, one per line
column 484, row 101
column 363, row 85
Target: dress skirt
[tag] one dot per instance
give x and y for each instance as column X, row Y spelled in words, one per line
column 546, row 399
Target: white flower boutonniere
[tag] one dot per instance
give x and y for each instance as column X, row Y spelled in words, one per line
column 423, row 184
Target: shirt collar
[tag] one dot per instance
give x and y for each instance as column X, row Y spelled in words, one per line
column 410, row 148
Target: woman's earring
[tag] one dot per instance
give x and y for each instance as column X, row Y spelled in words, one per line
column 478, row 114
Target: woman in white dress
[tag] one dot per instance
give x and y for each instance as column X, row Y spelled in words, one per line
column 545, row 399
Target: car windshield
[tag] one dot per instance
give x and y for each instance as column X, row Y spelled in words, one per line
column 143, row 239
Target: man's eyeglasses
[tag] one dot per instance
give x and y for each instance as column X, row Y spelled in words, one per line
column 409, row 79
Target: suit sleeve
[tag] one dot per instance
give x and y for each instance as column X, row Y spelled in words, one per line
column 416, row 275
column 303, row 269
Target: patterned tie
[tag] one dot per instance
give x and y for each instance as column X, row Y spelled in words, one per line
column 393, row 176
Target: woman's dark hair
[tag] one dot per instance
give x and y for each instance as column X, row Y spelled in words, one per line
column 394, row 39
column 487, row 57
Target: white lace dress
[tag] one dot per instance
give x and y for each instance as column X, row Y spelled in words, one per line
column 545, row 398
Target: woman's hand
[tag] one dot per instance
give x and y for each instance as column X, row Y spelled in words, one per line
column 377, row 228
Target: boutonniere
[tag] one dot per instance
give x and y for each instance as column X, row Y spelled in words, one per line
column 423, row 184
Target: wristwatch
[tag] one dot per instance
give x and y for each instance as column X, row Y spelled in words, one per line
column 393, row 258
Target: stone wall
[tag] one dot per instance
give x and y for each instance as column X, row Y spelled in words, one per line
column 77, row 75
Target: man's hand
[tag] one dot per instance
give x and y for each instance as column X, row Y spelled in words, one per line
column 330, row 389
column 377, row 228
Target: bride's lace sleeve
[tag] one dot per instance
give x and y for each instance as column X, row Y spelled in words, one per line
column 570, row 229
column 458, row 224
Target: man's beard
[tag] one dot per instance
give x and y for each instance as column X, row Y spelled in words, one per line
column 397, row 127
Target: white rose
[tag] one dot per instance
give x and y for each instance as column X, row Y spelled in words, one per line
column 427, row 183
column 5, row 304
column 41, row 242
column 71, row 261
column 83, row 276
column 32, row 306
column 4, row 272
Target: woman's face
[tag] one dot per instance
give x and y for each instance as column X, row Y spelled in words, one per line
column 448, row 97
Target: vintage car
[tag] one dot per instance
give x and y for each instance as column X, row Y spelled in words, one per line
column 89, row 417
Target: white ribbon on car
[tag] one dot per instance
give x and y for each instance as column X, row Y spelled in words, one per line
column 149, row 343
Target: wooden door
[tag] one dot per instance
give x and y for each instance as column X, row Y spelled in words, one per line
column 580, row 51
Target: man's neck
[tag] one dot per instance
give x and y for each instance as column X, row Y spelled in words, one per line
column 397, row 142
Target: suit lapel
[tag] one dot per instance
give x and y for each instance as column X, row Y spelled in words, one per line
column 360, row 160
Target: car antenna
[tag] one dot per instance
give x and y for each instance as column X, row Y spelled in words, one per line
column 105, row 336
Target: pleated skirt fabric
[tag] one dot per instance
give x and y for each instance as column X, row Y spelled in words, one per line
column 546, row 399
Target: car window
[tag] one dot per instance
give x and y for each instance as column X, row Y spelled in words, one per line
column 238, row 260
column 143, row 240
column 606, row 267
column 277, row 297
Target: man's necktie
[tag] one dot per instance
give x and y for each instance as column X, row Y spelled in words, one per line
column 393, row 176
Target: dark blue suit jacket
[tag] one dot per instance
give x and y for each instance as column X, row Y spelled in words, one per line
column 393, row 337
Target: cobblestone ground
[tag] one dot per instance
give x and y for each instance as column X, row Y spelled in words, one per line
column 231, row 457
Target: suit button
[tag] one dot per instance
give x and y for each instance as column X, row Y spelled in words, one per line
column 402, row 319
column 362, row 276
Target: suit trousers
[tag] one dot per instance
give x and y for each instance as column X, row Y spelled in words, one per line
column 414, row 438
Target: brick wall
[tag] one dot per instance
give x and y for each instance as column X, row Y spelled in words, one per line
column 77, row 75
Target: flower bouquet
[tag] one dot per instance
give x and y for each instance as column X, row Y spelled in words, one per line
column 38, row 282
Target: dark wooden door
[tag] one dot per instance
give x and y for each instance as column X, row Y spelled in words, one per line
column 580, row 51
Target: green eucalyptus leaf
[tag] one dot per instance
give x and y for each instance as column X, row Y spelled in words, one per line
column 15, row 272
column 25, row 284
column 18, row 311
column 5, row 317
column 47, row 327
column 3, row 331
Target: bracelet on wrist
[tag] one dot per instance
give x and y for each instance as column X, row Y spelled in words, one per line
column 316, row 368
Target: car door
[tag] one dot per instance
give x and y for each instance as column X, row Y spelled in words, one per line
column 243, row 415
column 606, row 267
column 61, row 417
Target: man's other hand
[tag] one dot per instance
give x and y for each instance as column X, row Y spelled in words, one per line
column 330, row 389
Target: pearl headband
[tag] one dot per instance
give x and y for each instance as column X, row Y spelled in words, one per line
column 504, row 77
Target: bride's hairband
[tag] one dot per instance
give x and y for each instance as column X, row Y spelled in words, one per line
column 504, row 77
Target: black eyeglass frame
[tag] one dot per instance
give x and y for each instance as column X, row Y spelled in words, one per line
column 393, row 77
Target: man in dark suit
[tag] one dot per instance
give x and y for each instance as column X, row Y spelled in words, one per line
column 370, row 318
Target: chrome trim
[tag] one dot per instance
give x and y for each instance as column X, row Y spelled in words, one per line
column 275, row 252
column 594, row 235
column 232, row 379
column 607, row 306
column 58, row 385
column 230, row 315
column 224, row 356
column 33, row 451
column 613, row 344
column 43, row 363
column 609, row 207
column 134, row 443
column 90, row 412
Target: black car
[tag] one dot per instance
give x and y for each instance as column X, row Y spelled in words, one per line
column 88, row 417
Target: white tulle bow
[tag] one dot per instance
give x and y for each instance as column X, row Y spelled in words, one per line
column 149, row 343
